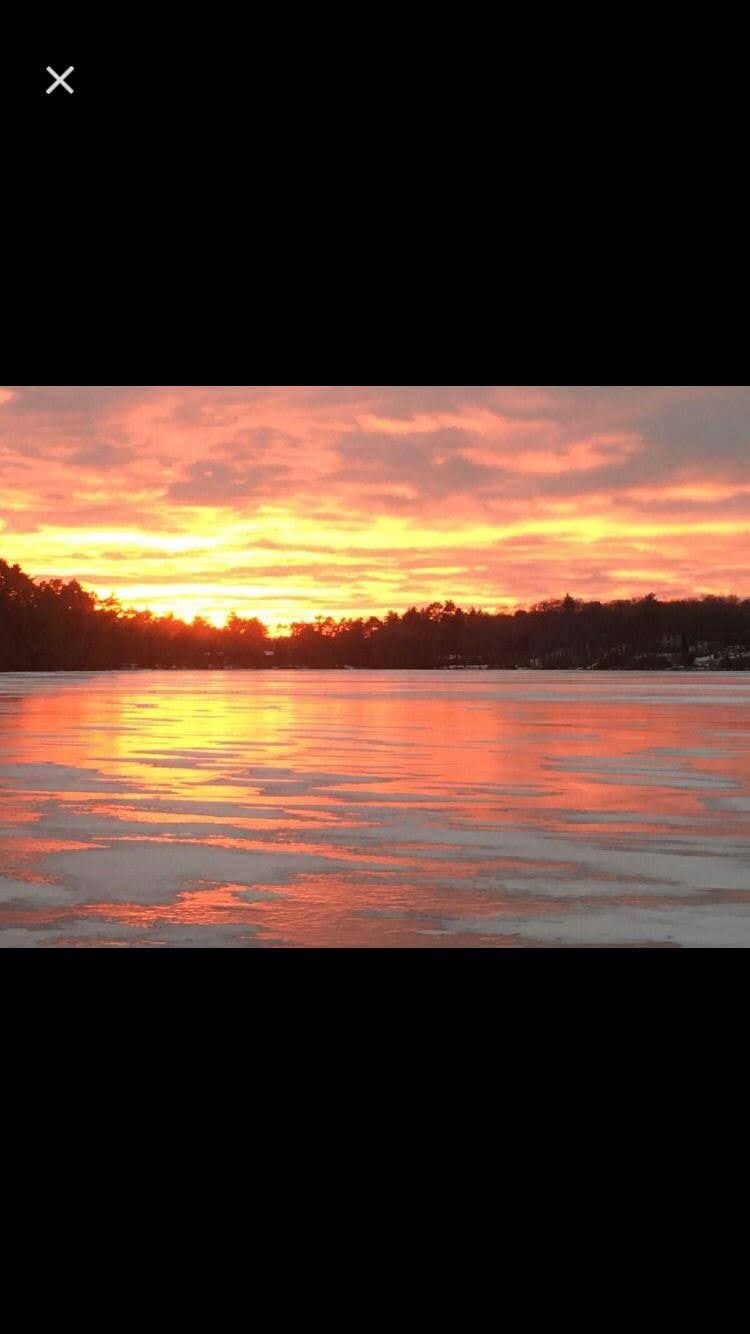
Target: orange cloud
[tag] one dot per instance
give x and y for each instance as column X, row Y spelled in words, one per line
column 287, row 502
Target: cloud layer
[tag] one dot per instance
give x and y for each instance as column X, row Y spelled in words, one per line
column 286, row 502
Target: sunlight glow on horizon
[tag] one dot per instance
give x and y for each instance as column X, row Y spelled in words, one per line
column 291, row 503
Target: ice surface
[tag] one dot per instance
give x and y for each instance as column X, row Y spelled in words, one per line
column 367, row 808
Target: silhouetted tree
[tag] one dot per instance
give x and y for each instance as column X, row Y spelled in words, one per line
column 51, row 624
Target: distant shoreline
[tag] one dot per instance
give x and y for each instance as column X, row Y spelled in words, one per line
column 51, row 625
column 265, row 671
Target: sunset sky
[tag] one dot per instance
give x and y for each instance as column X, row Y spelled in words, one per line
column 287, row 503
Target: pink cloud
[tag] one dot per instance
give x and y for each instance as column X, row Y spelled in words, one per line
column 498, row 492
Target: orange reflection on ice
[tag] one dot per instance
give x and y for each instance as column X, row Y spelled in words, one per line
column 368, row 807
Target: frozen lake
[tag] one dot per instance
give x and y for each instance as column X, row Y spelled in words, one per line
column 374, row 808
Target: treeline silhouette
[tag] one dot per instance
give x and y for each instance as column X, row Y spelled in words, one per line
column 50, row 624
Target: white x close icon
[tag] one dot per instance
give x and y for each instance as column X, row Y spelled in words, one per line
column 60, row 78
